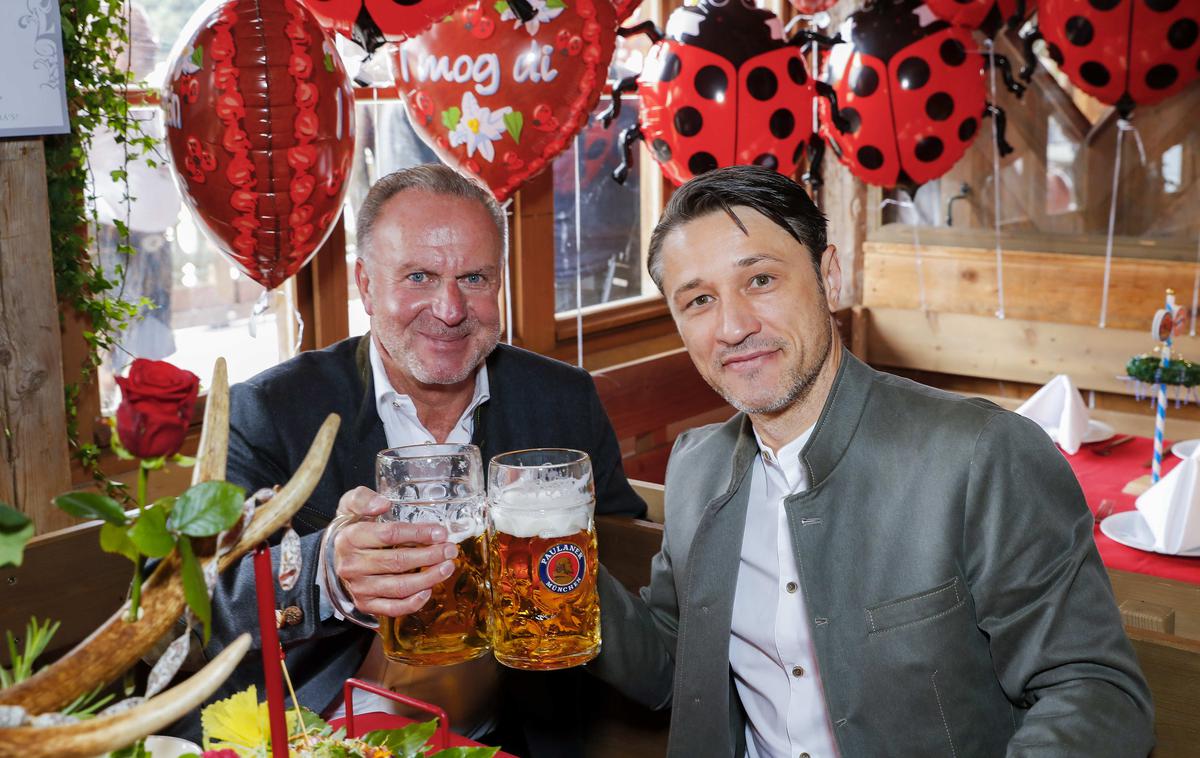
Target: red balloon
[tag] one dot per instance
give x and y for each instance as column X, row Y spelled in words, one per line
column 912, row 89
column 1122, row 52
column 722, row 88
column 498, row 99
column 986, row 15
column 373, row 22
column 260, row 125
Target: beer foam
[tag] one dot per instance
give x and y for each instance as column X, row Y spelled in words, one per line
column 545, row 509
column 462, row 520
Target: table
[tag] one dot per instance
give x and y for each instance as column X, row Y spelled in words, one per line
column 1103, row 477
column 369, row 722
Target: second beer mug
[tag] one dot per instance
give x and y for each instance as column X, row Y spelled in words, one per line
column 440, row 484
column 542, row 559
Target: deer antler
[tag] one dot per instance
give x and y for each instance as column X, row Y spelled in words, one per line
column 104, row 733
column 119, row 643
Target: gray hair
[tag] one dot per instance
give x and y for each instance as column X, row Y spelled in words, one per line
column 773, row 195
column 435, row 179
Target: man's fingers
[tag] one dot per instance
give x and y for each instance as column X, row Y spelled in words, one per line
column 390, row 562
column 362, row 502
column 389, row 595
column 368, row 535
column 395, row 608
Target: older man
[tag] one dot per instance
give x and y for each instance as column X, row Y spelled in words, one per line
column 431, row 251
column 854, row 564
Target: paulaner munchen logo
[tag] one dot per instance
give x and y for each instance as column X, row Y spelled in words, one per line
column 562, row 567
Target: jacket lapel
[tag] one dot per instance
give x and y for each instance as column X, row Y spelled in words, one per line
column 369, row 437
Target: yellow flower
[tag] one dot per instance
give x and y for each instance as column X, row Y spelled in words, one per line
column 240, row 723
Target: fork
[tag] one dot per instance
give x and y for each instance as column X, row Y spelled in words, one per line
column 1107, row 449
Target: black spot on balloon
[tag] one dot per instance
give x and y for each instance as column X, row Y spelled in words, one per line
column 688, row 121
column 1094, row 73
column 782, row 123
column 797, row 72
column 701, row 162
column 1183, row 33
column 766, row 160
column 711, row 83
column 853, row 119
column 913, row 73
column 1054, row 53
column 671, row 66
column 762, row 84
column 1161, row 76
column 662, row 151
column 929, row 149
column 1162, row 6
column 952, row 52
column 1079, row 31
column 870, row 157
column 966, row 130
column 964, row 2
column 939, row 106
column 1104, row 5
column 866, row 81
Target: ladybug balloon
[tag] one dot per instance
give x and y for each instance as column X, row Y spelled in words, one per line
column 723, row 87
column 1122, row 52
column 260, row 126
column 912, row 94
column 986, row 15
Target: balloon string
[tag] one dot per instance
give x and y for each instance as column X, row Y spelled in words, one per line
column 578, row 263
column 916, row 242
column 260, row 307
column 1195, row 292
column 299, row 331
column 508, row 307
column 996, row 184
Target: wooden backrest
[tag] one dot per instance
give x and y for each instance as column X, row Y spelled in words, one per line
column 1172, row 667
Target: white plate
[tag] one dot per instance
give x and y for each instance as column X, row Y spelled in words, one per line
column 1185, row 448
column 1131, row 530
column 1097, row 431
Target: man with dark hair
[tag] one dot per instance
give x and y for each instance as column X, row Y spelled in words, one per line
column 854, row 564
column 431, row 255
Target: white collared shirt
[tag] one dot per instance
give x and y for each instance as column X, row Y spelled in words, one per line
column 770, row 650
column 402, row 426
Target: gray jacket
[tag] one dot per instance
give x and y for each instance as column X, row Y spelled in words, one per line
column 955, row 598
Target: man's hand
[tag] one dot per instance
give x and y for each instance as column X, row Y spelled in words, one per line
column 377, row 562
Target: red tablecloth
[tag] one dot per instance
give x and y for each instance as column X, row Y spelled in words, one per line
column 369, row 722
column 1103, row 477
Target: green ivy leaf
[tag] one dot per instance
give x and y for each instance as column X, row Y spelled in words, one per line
column 198, row 56
column 555, row 4
column 149, row 533
column 206, row 508
column 329, row 63
column 404, row 743
column 466, row 752
column 194, row 589
column 513, row 122
column 451, row 117
column 115, row 539
column 89, row 505
column 15, row 530
column 500, row 6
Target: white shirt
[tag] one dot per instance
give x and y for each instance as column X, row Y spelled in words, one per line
column 444, row 685
column 770, row 651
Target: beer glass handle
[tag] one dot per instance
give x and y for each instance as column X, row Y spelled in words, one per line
column 335, row 593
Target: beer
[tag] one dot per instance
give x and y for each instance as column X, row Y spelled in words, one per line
column 542, row 564
column 452, row 626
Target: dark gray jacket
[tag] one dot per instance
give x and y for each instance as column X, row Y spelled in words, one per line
column 535, row 402
column 956, row 600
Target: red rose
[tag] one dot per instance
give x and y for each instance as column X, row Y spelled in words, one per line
column 157, row 400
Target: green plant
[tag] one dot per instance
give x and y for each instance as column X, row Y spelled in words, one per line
column 15, row 531
column 37, row 639
column 95, row 34
column 1148, row 370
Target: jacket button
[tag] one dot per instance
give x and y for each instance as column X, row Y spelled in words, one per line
column 290, row 616
column 791, row 587
column 804, row 755
column 797, row 671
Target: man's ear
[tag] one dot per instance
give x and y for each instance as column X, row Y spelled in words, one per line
column 362, row 277
column 831, row 277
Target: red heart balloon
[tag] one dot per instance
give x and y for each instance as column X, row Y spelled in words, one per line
column 498, row 99
column 374, row 21
column 260, row 125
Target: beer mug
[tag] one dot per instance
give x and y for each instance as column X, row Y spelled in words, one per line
column 440, row 484
column 542, row 560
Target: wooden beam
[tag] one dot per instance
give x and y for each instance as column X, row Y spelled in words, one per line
column 532, row 269
column 1009, row 349
column 1064, row 288
column 34, row 466
column 321, row 293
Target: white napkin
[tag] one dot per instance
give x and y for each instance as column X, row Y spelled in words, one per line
column 1172, row 507
column 1059, row 409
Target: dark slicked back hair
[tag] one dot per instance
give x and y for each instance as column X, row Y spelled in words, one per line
column 773, row 195
column 435, row 179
